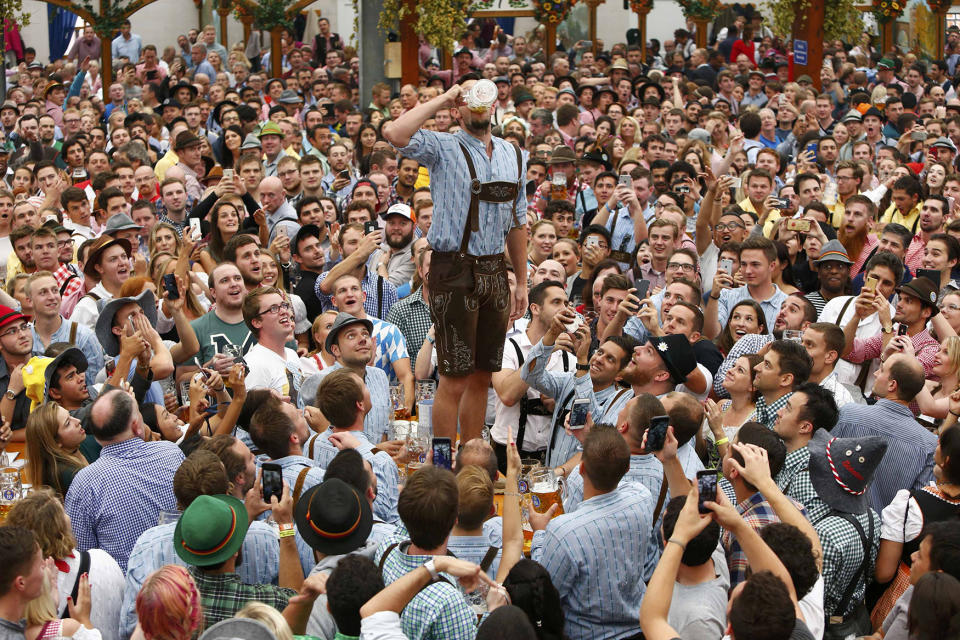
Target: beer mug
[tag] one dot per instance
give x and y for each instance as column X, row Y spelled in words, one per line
column 417, row 447
column 545, row 491
column 481, row 96
column 426, row 390
column 399, row 429
column 527, row 467
column 10, row 490
column 400, row 411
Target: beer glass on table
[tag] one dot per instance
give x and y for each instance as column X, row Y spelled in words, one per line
column 400, row 411
column 10, row 490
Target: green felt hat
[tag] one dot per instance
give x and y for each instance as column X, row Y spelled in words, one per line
column 210, row 530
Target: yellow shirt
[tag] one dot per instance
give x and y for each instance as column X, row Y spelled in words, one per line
column 164, row 163
column 423, row 178
column 772, row 218
column 892, row 214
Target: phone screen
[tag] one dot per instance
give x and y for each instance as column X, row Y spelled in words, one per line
column 578, row 413
column 442, row 453
column 657, row 433
column 271, row 481
column 930, row 274
column 901, row 330
column 707, row 487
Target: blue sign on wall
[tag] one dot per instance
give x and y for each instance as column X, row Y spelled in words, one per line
column 800, row 52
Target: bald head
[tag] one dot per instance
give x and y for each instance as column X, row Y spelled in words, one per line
column 902, row 378
column 175, row 173
column 548, row 270
column 114, row 417
column 271, row 193
column 480, row 453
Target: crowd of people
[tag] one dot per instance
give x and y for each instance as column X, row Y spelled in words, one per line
column 712, row 307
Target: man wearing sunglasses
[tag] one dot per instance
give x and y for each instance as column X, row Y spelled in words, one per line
column 269, row 316
column 16, row 347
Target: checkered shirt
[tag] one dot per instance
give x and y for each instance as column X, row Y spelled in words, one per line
column 369, row 286
column 118, row 497
column 748, row 344
column 412, row 317
column 794, row 481
column 842, row 555
column 437, row 612
column 924, row 345
column 758, row 513
column 222, row 595
column 391, row 346
column 767, row 413
column 74, row 290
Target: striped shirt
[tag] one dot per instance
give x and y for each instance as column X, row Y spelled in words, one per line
column 154, row 549
column 412, row 317
column 377, row 421
column 384, row 468
column 908, row 462
column 375, row 305
column 600, row 583
column 564, row 388
column 450, row 188
column 118, row 497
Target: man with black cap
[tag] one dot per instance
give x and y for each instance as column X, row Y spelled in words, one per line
column 909, row 463
column 917, row 304
column 660, row 366
column 873, row 126
column 841, row 470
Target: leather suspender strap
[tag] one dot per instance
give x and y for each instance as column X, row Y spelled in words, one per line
column 73, row 333
column 298, row 487
column 516, row 223
column 386, row 552
column 489, row 557
column 522, row 423
column 843, row 310
column 559, row 421
column 473, row 215
column 380, row 296
column 660, row 501
column 313, row 441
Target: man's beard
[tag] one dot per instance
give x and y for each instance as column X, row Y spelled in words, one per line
column 403, row 242
column 477, row 125
column 852, row 243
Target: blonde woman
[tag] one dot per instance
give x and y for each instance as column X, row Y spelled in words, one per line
column 628, row 130
column 43, row 619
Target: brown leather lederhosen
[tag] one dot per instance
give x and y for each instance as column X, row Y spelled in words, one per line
column 470, row 293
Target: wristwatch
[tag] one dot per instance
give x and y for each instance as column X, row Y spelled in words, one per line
column 583, row 367
column 10, row 394
column 887, row 329
column 431, row 566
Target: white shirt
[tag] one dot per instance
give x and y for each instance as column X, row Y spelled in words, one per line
column 840, row 394
column 87, row 310
column 268, row 369
column 847, row 372
column 537, row 433
column 699, row 396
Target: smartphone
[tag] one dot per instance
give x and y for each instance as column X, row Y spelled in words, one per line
column 918, row 135
column 930, row 274
column 682, row 188
column 642, row 287
column 737, row 183
column 152, row 75
column 170, row 284
column 901, row 329
column 344, row 175
column 592, row 241
column 531, row 187
column 588, row 44
column 707, row 487
column 282, row 231
column 657, row 433
column 933, row 152
column 195, row 228
column 812, row 149
column 241, row 361
column 798, row 224
column 870, row 283
column 327, row 110
column 271, row 481
column 370, row 227
column 950, row 203
column 133, row 328
column 578, row 413
column 228, row 175
column 726, row 265
column 442, row 456
column 625, row 180
column 783, row 203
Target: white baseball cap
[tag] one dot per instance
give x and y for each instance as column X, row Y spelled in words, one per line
column 401, row 210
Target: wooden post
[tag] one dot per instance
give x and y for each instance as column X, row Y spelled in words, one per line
column 409, row 46
column 592, row 4
column 886, row 38
column 941, row 32
column 276, row 53
column 551, row 40
column 701, row 32
column 808, row 28
column 247, row 21
column 642, row 28
column 224, row 10
column 106, row 57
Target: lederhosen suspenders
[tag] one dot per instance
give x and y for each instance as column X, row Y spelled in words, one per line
column 495, row 192
column 522, row 423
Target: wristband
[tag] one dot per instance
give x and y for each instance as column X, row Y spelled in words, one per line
column 286, row 530
column 722, row 441
column 679, row 544
column 431, row 566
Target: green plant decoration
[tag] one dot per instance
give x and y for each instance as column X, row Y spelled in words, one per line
column 270, row 14
column 701, row 9
column 440, row 22
column 842, row 19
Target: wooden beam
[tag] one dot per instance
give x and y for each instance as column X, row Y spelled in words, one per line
column 409, row 46
column 808, row 28
column 276, row 53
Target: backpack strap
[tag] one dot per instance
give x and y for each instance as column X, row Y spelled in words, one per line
column 298, row 487
column 660, row 500
column 559, row 421
column 867, row 543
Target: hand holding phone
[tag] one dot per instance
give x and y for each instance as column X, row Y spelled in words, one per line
column 170, row 284
column 578, row 413
column 271, row 481
column 442, row 453
column 657, row 433
column 370, row 227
